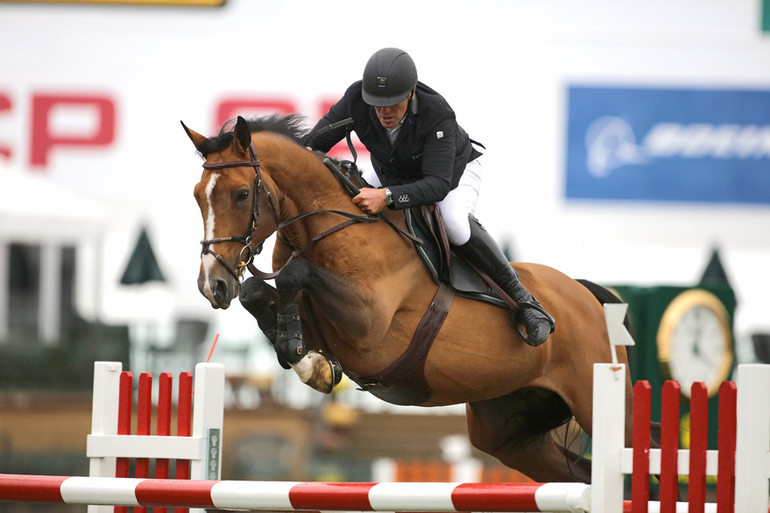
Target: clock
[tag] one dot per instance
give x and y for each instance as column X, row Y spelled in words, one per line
column 694, row 341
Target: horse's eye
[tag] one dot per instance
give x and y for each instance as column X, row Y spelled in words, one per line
column 242, row 195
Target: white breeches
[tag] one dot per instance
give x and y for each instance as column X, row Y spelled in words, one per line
column 460, row 203
column 457, row 205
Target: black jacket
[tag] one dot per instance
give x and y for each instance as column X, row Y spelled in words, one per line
column 430, row 153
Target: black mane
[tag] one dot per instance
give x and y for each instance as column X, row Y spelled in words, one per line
column 291, row 125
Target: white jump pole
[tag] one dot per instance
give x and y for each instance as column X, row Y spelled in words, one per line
column 752, row 443
column 208, row 417
column 104, row 412
column 609, row 437
column 609, row 414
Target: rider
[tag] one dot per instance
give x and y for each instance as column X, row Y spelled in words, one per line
column 422, row 157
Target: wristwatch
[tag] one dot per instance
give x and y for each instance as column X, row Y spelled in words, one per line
column 388, row 197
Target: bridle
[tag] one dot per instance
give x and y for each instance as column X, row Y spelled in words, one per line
column 247, row 254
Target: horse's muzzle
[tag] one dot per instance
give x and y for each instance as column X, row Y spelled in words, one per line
column 220, row 292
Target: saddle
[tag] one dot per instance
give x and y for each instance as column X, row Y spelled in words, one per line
column 443, row 262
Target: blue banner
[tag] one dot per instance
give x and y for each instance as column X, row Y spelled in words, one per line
column 682, row 145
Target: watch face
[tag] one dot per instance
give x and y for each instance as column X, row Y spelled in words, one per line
column 694, row 341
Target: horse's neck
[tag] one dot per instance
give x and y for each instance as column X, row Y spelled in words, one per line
column 303, row 185
column 296, row 234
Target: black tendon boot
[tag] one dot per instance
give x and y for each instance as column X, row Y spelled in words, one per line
column 316, row 369
column 483, row 252
column 289, row 344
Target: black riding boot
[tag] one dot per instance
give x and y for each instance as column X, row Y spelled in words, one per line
column 483, row 252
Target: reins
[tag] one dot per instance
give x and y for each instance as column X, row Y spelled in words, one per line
column 352, row 189
column 353, row 219
column 347, row 123
column 247, row 262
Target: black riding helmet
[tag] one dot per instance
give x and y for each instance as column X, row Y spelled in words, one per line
column 389, row 77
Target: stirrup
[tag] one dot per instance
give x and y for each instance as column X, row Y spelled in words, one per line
column 518, row 321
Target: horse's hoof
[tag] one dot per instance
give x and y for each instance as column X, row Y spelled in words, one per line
column 318, row 371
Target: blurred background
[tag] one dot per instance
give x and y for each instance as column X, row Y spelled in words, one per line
column 627, row 143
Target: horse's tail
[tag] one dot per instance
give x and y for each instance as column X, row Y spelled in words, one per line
column 604, row 296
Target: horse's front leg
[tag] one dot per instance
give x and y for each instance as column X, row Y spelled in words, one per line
column 348, row 307
column 277, row 314
column 261, row 301
column 317, row 370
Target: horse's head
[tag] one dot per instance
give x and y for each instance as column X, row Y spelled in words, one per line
column 236, row 209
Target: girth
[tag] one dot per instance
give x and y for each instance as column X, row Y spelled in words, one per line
column 403, row 382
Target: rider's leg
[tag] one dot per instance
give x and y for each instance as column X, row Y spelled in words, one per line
column 476, row 245
column 482, row 251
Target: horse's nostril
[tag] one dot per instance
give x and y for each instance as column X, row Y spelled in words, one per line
column 220, row 291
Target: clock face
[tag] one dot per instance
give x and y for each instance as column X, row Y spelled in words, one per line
column 694, row 341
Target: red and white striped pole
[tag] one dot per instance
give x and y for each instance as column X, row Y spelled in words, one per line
column 291, row 496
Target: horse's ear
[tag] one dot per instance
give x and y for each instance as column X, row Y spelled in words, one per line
column 242, row 133
column 194, row 136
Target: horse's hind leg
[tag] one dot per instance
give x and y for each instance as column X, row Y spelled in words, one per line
column 517, row 429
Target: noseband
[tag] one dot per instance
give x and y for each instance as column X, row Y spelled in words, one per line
column 247, row 253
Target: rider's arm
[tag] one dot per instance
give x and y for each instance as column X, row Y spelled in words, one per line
column 438, row 162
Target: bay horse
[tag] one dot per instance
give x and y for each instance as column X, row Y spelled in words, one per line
column 362, row 291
